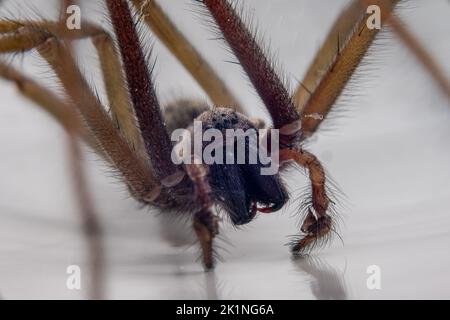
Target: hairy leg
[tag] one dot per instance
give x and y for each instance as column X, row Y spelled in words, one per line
column 62, row 111
column 118, row 96
column 142, row 93
column 420, row 52
column 90, row 221
column 135, row 172
column 339, row 62
column 206, row 224
column 257, row 66
column 116, row 89
column 161, row 25
column 71, row 122
column 317, row 223
column 340, row 32
column 143, row 184
column 284, row 114
column 341, row 53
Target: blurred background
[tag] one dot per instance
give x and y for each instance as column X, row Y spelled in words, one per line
column 387, row 148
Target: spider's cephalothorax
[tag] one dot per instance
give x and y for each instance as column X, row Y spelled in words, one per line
column 239, row 188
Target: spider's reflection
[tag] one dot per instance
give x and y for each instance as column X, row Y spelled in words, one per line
column 211, row 286
column 327, row 281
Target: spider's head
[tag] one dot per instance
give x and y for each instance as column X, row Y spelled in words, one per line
column 240, row 188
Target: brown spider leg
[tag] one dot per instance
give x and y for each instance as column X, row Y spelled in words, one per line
column 422, row 55
column 206, row 224
column 121, row 110
column 258, row 68
column 69, row 120
column 140, row 179
column 285, row 115
column 142, row 93
column 341, row 53
column 317, row 224
column 336, row 39
column 161, row 25
column 136, row 173
column 12, row 31
column 48, row 101
column 91, row 224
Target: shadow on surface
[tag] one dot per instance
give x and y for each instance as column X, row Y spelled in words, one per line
column 327, row 283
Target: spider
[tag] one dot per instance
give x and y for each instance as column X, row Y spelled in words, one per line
column 133, row 136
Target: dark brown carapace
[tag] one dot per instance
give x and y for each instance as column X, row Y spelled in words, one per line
column 240, row 189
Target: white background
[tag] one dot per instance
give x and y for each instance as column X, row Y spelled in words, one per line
column 387, row 149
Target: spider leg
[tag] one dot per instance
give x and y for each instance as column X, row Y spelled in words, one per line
column 60, row 110
column 136, row 173
column 91, row 224
column 71, row 122
column 422, row 55
column 286, row 117
column 153, row 128
column 142, row 93
column 341, row 53
column 343, row 50
column 258, row 68
column 336, row 39
column 317, row 223
column 161, row 25
column 116, row 89
column 119, row 102
column 206, row 224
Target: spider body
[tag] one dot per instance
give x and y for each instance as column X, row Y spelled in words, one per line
column 132, row 133
column 236, row 187
column 134, row 137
